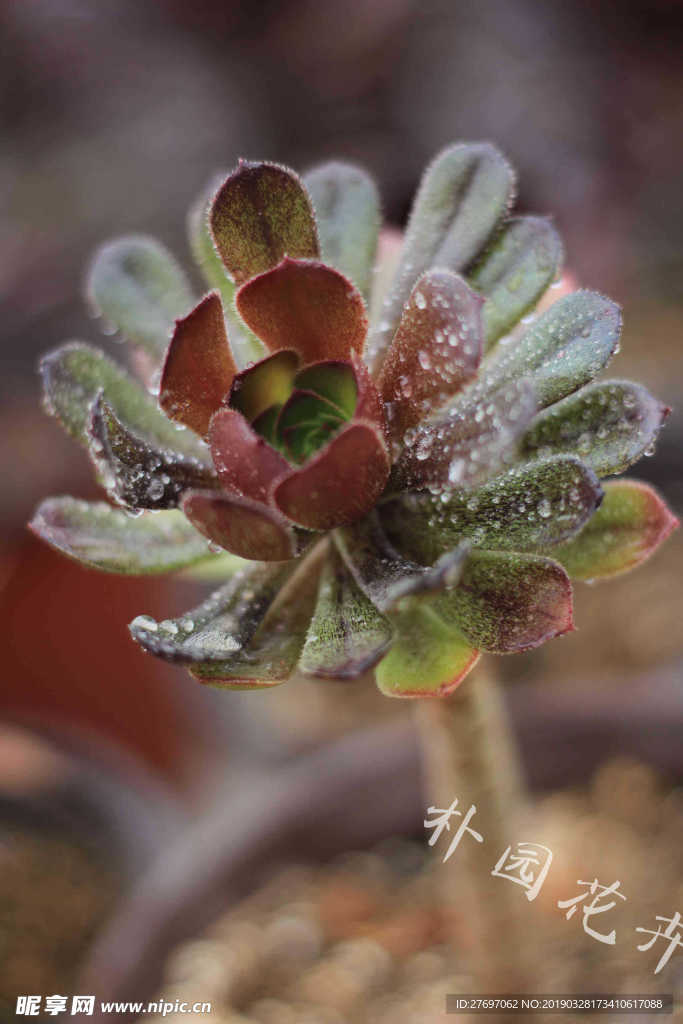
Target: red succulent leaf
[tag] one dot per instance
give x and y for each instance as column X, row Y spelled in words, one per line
column 339, row 484
column 307, row 306
column 261, row 213
column 199, row 367
column 369, row 405
column 243, row 460
column 266, row 383
column 436, row 349
column 244, row 527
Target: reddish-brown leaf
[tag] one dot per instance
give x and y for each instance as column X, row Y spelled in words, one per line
column 260, row 214
column 436, row 349
column 369, row 405
column 199, row 368
column 244, row 527
column 340, row 484
column 244, row 461
column 307, row 306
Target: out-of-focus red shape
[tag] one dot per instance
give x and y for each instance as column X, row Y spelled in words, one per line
column 69, row 663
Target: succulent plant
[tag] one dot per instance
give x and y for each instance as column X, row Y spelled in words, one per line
column 401, row 496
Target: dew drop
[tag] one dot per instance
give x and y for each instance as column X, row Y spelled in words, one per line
column 456, row 470
column 544, row 508
column 155, row 489
column 145, row 622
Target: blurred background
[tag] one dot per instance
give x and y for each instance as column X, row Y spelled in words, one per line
column 116, row 115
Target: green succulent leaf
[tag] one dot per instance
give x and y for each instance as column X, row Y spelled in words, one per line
column 136, row 284
column 306, row 422
column 222, row 625
column 259, row 215
column 464, row 195
column 464, row 447
column 245, row 346
column 514, row 273
column 386, row 576
column 304, row 408
column 74, row 374
column 529, row 508
column 271, row 655
column 507, row 602
column 268, row 660
column 217, row 570
column 564, row 349
column 205, row 254
column 347, row 634
column 436, row 350
column 609, row 424
column 265, row 425
column 134, row 472
column 428, row 657
column 336, row 381
column 108, row 539
column 628, row 527
column 266, row 384
column 347, row 211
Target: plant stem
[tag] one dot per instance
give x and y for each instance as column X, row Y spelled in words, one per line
column 469, row 753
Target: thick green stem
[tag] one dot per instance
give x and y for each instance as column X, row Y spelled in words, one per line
column 470, row 754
